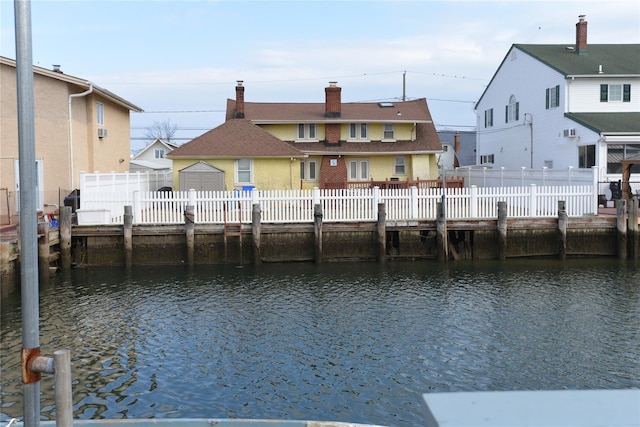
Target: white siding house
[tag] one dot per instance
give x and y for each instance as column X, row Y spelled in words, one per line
column 561, row 106
column 153, row 157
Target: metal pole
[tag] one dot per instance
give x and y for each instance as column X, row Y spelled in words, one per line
column 64, row 402
column 28, row 218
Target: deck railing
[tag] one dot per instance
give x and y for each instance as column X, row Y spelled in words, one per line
column 342, row 205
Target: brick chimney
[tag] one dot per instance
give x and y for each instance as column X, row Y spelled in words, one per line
column 581, row 36
column 239, row 100
column 332, row 107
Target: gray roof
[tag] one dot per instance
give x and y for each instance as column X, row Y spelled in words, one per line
column 608, row 122
column 615, row 59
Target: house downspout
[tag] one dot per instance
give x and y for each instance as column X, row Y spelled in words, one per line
column 74, row 95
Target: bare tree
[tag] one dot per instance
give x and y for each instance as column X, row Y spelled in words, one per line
column 161, row 130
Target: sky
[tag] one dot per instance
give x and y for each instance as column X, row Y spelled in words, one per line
column 179, row 60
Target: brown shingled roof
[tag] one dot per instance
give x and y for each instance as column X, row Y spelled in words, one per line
column 235, row 138
column 287, row 112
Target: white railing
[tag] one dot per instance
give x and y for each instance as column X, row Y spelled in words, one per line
column 345, row 205
column 502, row 177
column 126, row 182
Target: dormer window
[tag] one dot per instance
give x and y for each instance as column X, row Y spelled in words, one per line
column 307, row 132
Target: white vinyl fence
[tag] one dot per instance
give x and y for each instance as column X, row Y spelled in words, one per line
column 345, row 205
column 125, row 182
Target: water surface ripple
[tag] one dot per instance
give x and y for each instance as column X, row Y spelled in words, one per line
column 346, row 342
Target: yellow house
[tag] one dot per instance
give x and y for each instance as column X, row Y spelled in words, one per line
column 327, row 145
column 78, row 127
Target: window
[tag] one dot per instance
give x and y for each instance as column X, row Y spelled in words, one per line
column 244, row 173
column 553, row 97
column 159, row 153
column 359, row 170
column 399, row 167
column 309, row 170
column 100, row 113
column 618, row 152
column 488, row 118
column 307, row 131
column 388, row 132
column 487, row 158
column 615, row 93
column 511, row 111
column 358, row 131
column 586, row 156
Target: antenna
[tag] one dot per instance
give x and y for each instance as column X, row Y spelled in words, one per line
column 404, row 86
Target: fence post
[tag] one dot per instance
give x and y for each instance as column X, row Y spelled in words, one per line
column 63, row 394
column 596, row 189
column 621, row 225
column 255, row 231
column 137, row 214
column 189, row 224
column 633, row 228
column 43, row 249
column 414, row 202
column 315, row 196
column 502, row 230
column 128, row 236
column 473, row 202
column 562, row 228
column 442, row 245
column 317, row 228
column 382, row 232
column 533, row 201
column 65, row 236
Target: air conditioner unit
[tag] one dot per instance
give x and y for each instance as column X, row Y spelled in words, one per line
column 102, row 133
column 569, row 133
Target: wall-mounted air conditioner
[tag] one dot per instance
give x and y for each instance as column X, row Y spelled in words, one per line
column 569, row 133
column 102, row 133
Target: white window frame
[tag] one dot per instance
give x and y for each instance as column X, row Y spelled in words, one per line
column 358, row 132
column 400, row 165
column 512, row 110
column 100, row 113
column 553, row 97
column 359, row 170
column 309, row 170
column 488, row 118
column 159, row 153
column 246, row 168
column 306, row 132
column 615, row 93
column 388, row 132
column 487, row 159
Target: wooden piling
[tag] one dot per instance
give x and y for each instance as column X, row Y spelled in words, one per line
column 43, row 249
column 382, row 232
column 634, row 245
column 65, row 236
column 128, row 236
column 317, row 229
column 256, row 218
column 189, row 225
column 563, row 220
column 621, row 224
column 442, row 246
column 502, row 230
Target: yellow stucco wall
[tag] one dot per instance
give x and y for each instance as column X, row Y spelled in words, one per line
column 268, row 174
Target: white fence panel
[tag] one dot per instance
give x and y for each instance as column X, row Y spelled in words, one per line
column 348, row 205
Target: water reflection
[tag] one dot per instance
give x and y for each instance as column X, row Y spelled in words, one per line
column 347, row 342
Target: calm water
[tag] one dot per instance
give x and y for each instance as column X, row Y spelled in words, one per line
column 346, row 342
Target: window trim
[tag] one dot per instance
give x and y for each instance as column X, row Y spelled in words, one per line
column 358, row 131
column 361, row 174
column 625, row 92
column 306, row 132
column 553, row 97
column 402, row 165
column 391, row 129
column 305, row 170
column 159, row 153
column 512, row 110
column 100, row 113
column 488, row 118
column 237, row 171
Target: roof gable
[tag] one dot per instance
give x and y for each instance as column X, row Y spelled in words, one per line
column 235, row 138
column 155, row 144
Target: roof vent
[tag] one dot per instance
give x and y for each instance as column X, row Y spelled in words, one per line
column 385, row 104
column 570, row 48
